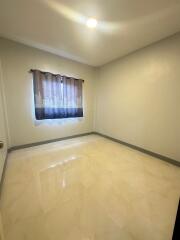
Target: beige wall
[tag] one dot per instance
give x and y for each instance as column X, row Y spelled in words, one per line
column 17, row 60
column 138, row 98
column 3, row 124
column 134, row 99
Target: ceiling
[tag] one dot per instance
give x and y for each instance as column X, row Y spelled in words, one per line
column 58, row 26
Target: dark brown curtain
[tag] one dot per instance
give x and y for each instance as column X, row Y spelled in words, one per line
column 57, row 96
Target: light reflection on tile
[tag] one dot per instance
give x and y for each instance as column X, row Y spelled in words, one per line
column 88, row 188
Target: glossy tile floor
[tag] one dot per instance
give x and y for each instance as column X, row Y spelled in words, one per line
column 88, row 188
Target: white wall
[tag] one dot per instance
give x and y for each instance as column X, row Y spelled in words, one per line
column 138, row 98
column 17, row 60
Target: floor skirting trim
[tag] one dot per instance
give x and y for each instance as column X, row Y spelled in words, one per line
column 153, row 154
column 3, row 174
column 47, row 141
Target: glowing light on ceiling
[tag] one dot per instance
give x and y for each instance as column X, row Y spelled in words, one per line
column 91, row 23
column 80, row 18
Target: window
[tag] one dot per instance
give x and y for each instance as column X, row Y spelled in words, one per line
column 56, row 96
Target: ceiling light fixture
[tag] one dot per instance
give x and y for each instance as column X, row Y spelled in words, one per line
column 91, row 23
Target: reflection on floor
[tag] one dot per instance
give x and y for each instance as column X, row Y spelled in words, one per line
column 88, row 188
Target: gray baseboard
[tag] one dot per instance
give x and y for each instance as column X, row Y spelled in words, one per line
column 156, row 155
column 153, row 154
column 47, row 141
column 32, row 145
column 3, row 174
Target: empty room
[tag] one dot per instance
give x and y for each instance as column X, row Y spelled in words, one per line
column 89, row 120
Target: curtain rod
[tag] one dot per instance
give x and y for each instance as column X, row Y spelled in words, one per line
column 32, row 70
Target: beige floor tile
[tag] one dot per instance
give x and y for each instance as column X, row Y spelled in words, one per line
column 88, row 188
